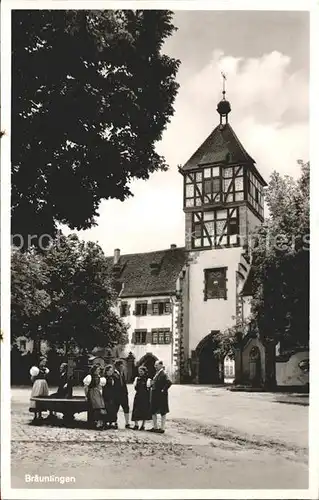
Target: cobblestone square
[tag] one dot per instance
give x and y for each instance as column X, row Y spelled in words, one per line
column 214, row 439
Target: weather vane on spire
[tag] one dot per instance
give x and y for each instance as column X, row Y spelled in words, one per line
column 223, row 107
column 224, row 80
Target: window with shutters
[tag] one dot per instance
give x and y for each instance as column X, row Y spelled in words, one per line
column 215, row 283
column 161, row 307
column 124, row 309
column 167, row 307
column 155, row 308
column 161, row 336
column 141, row 308
column 167, row 337
column 139, row 337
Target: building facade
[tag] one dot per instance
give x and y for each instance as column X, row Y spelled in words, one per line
column 150, row 302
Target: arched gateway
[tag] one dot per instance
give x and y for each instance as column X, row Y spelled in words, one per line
column 208, row 369
column 148, row 360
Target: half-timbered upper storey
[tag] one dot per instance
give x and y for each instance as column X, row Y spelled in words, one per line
column 218, row 178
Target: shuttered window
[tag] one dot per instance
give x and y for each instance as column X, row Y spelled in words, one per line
column 124, row 309
column 160, row 307
column 141, row 308
column 161, row 336
column 139, row 337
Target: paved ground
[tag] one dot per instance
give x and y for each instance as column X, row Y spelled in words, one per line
column 214, row 439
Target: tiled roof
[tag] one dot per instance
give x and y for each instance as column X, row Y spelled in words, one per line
column 152, row 273
column 221, row 146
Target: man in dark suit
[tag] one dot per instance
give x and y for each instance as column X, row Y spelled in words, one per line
column 159, row 397
column 120, row 392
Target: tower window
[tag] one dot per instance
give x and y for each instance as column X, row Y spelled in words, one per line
column 233, row 226
column 215, row 283
column 207, row 187
column 215, row 228
column 200, row 186
column 216, row 185
column 198, row 230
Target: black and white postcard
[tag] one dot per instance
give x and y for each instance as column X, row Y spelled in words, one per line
column 156, row 324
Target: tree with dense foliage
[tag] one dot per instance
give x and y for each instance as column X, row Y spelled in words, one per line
column 92, row 94
column 75, row 296
column 226, row 342
column 280, row 269
column 29, row 297
column 280, row 301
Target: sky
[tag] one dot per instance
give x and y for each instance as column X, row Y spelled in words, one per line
column 265, row 56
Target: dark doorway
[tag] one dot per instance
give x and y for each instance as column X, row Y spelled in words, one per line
column 148, row 361
column 208, row 364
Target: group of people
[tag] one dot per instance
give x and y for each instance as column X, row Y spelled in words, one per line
column 106, row 392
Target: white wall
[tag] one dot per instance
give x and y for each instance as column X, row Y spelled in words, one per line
column 289, row 373
column 162, row 351
column 213, row 314
column 252, row 221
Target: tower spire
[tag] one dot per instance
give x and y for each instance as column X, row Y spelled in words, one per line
column 223, row 107
column 224, row 85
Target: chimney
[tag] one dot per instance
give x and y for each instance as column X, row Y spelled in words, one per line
column 173, row 246
column 117, row 254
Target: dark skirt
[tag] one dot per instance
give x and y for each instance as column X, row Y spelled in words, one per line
column 95, row 398
column 142, row 405
column 159, row 402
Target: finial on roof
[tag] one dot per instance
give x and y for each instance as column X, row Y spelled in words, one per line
column 223, row 107
column 224, row 84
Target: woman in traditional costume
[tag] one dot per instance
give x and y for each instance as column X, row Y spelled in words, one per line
column 141, row 406
column 93, row 384
column 109, row 397
column 40, row 386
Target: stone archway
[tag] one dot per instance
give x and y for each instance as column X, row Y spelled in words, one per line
column 208, row 366
column 148, row 360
